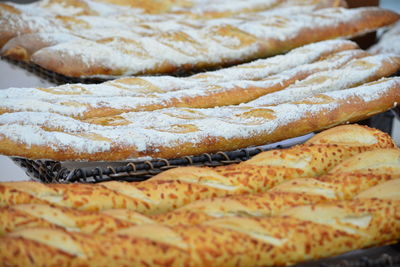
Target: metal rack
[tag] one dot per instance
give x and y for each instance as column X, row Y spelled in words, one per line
column 60, row 79
column 53, row 171
column 51, row 76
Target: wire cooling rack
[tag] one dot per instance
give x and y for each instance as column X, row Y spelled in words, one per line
column 66, row 172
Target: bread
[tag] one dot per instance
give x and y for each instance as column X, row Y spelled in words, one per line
column 193, row 8
column 55, row 217
column 201, row 91
column 298, row 234
column 177, row 187
column 340, row 183
column 354, row 204
column 387, row 41
column 175, row 132
column 82, row 46
column 230, row 86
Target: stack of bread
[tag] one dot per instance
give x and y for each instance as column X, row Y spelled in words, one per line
column 336, row 193
column 311, row 88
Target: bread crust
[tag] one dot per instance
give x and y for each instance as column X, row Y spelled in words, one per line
column 352, row 206
column 293, row 119
column 386, row 41
column 177, row 187
column 67, row 56
column 299, row 234
column 231, row 86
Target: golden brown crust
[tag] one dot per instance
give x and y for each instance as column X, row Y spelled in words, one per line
column 303, row 219
column 177, row 187
column 352, row 106
column 205, row 94
column 74, row 63
column 303, row 233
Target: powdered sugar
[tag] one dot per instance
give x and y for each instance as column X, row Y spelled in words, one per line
column 361, row 70
column 169, row 128
column 148, row 93
column 387, row 41
column 162, row 41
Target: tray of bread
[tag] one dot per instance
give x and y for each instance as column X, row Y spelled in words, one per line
column 75, row 41
column 336, row 193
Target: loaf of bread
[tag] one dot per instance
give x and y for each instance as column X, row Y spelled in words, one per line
column 202, row 91
column 192, row 8
column 388, row 42
column 357, row 174
column 82, row 46
column 177, row 187
column 175, row 132
column 230, row 86
column 343, row 182
column 301, row 233
column 352, row 202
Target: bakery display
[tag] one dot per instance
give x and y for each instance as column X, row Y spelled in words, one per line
column 90, row 45
column 388, row 41
column 351, row 203
column 177, row 187
column 289, row 72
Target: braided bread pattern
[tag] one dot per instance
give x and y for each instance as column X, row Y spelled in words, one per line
column 177, row 187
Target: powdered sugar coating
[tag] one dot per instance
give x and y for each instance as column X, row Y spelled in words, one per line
column 142, row 93
column 388, row 43
column 147, row 131
column 361, row 70
column 115, row 45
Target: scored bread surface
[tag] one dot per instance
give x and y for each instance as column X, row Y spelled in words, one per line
column 174, row 132
column 351, row 205
column 177, row 187
column 338, row 185
column 91, row 45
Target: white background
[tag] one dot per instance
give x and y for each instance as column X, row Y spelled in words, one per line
column 15, row 77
